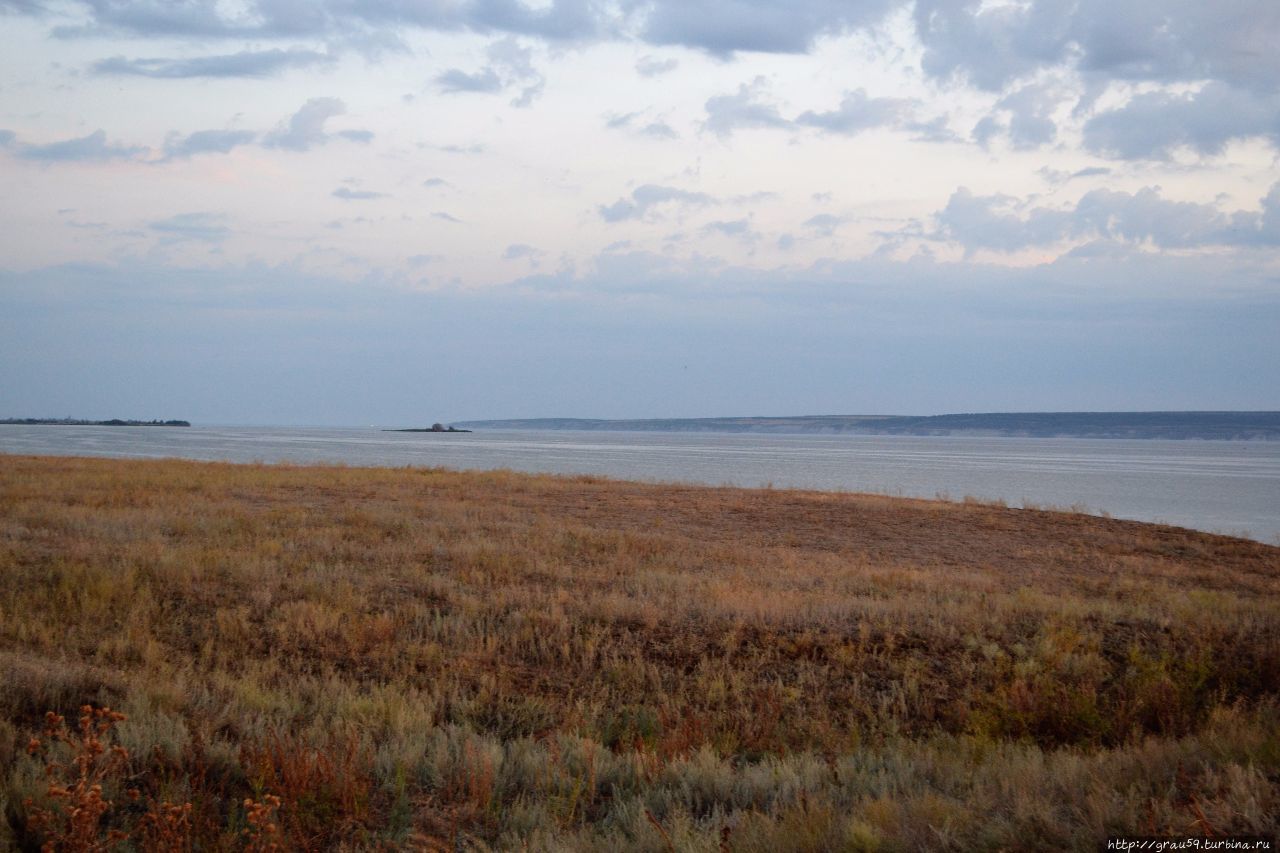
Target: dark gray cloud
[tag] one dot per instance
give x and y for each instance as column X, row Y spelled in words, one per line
column 206, row 142
column 247, row 63
column 91, row 148
column 1006, row 224
column 644, row 198
column 858, row 112
column 202, row 226
column 348, row 194
column 305, row 129
column 1153, row 125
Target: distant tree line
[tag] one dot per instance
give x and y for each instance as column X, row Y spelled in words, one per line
column 83, row 422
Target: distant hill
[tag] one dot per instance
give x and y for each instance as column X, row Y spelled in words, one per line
column 80, row 422
column 1253, row 426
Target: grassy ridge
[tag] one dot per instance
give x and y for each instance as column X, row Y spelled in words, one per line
column 431, row 659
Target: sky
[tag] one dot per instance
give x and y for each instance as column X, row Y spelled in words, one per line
column 396, row 212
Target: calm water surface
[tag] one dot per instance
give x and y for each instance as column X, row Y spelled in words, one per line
column 1223, row 486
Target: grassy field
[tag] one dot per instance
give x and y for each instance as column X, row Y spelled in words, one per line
column 340, row 658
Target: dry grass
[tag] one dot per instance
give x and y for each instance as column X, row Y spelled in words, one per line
column 438, row 660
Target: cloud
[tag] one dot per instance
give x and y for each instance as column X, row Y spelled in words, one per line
column 742, row 110
column 1179, row 40
column 657, row 129
column 7, row 138
column 85, row 149
column 248, row 63
column 1006, row 224
column 995, row 222
column 432, row 183
column 456, row 80
column 644, row 198
column 446, row 217
column 205, row 227
column 347, row 194
column 1024, row 116
column 858, row 112
column 1091, row 172
column 724, row 27
column 510, row 66
column 739, row 229
column 1153, row 125
column 305, row 128
column 521, row 251
column 651, row 66
column 206, row 142
column 824, row 224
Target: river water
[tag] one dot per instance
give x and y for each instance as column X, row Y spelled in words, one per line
column 1222, row 486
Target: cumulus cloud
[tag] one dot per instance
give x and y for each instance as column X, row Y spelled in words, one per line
column 824, row 224
column 510, row 67
column 248, row 63
column 724, row 27
column 305, row 129
column 1024, row 116
column 1227, row 46
column 1160, row 40
column 744, row 109
column 456, row 80
column 858, row 112
column 1154, row 125
column 1006, row 224
column 91, row 148
column 645, row 198
column 206, row 142
column 636, row 123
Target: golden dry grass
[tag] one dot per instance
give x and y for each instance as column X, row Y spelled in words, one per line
column 431, row 659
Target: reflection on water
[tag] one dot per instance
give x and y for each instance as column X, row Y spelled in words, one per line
column 1226, row 486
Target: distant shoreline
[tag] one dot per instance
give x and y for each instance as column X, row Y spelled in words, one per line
column 1228, row 426
column 82, row 422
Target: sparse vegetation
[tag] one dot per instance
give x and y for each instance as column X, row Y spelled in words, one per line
column 337, row 658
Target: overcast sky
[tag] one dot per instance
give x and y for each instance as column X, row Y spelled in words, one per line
column 403, row 211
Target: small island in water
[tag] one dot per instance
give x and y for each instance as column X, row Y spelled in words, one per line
column 432, row 428
column 83, row 422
